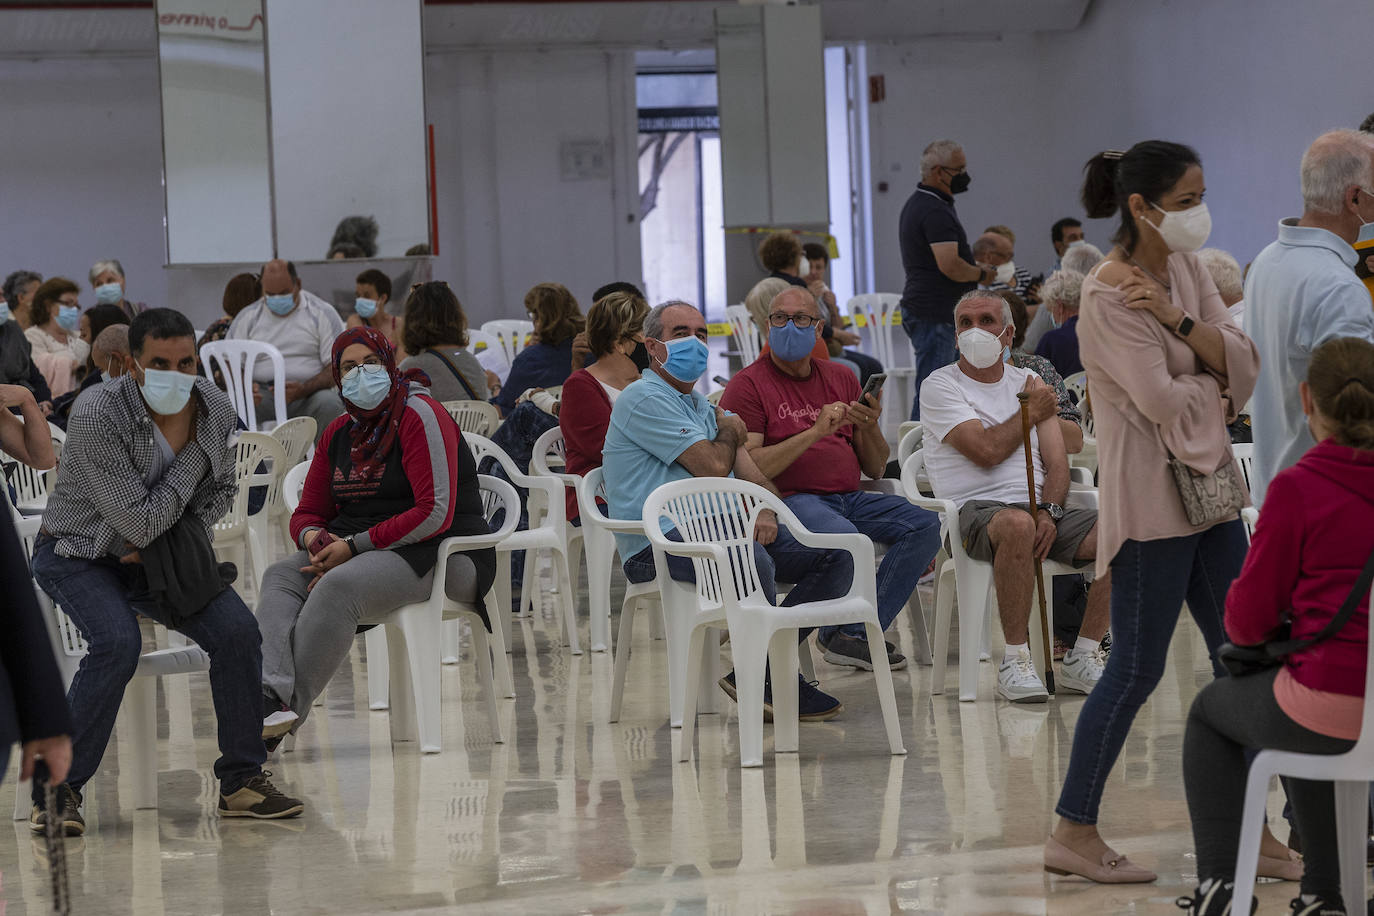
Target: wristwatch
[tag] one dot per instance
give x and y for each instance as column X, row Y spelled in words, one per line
column 1055, row 510
column 353, row 548
column 1185, row 326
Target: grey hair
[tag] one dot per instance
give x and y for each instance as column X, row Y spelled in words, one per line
column 1335, row 161
column 1081, row 258
column 985, row 243
column 937, row 154
column 987, row 295
column 1064, row 287
column 99, row 267
column 1225, row 271
column 17, row 281
column 653, row 322
column 759, row 302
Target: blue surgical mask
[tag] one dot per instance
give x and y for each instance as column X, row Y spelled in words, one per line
column 1054, row 322
column 69, row 318
column 109, row 294
column 281, row 305
column 365, row 308
column 4, row 312
column 790, row 343
column 366, row 386
column 1006, row 354
column 165, row 391
column 687, row 358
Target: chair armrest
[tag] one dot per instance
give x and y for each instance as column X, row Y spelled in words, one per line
column 885, row 485
column 860, row 547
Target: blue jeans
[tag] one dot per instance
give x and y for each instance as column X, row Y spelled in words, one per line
column 817, row 574
column 95, row 595
column 912, row 536
column 933, row 342
column 1150, row 580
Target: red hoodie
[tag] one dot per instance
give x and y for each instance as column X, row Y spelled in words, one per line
column 1314, row 536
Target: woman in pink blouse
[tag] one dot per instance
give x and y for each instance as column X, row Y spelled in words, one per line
column 1311, row 543
column 1166, row 369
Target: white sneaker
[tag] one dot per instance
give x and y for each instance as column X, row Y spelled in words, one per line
column 1080, row 671
column 1017, row 680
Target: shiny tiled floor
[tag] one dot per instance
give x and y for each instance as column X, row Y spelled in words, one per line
column 574, row 814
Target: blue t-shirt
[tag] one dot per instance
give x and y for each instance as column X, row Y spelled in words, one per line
column 1060, row 347
column 652, row 423
column 928, row 219
column 537, row 366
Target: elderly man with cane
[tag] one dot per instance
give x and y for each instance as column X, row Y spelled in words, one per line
column 971, row 411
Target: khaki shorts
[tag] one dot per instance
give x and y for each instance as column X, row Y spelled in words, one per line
column 976, row 514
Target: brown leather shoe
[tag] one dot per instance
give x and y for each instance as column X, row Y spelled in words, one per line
column 1113, row 869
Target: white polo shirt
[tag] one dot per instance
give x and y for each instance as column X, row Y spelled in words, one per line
column 305, row 336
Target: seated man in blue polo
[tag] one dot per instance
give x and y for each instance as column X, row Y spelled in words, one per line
column 812, row 433
column 661, row 430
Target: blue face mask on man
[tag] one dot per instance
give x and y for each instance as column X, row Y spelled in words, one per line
column 165, row 391
column 4, row 311
column 281, row 305
column 687, row 357
column 69, row 318
column 365, row 386
column 790, row 343
column 365, row 308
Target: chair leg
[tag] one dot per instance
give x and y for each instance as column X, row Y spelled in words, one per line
column 530, row 592
column 916, row 611
column 689, row 704
column 679, row 635
column 497, row 639
column 622, row 656
column 782, row 654
column 378, row 668
column 402, row 716
column 1352, row 833
column 973, row 612
column 502, row 589
column 599, row 558
column 451, row 639
column 751, row 655
column 806, row 659
column 23, row 799
column 140, row 702
column 944, row 608
column 887, row 695
column 567, row 599
column 481, row 652
column 419, row 625
column 1251, row 828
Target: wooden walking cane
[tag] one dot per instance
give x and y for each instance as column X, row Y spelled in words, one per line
column 1024, row 398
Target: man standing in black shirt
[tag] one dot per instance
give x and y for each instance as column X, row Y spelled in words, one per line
column 939, row 265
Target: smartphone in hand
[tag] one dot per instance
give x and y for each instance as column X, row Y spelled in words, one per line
column 873, row 385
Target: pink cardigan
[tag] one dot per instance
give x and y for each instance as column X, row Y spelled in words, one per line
column 1148, row 387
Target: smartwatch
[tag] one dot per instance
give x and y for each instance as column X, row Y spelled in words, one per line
column 1185, row 326
column 1055, row 510
column 353, row 548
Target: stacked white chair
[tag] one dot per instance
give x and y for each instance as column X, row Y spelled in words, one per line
column 549, row 460
column 877, row 311
column 235, row 360
column 512, row 334
column 971, row 580
column 543, row 534
column 1245, row 457
column 480, row 417
column 1349, row 773
column 715, row 518
column 1087, row 457
column 746, row 333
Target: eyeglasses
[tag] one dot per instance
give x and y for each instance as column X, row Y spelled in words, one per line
column 780, row 319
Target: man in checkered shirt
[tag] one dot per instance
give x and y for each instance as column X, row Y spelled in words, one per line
column 142, row 451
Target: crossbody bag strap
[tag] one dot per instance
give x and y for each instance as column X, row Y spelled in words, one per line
column 1347, row 610
column 472, row 395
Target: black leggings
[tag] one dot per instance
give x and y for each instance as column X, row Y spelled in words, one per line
column 1229, row 716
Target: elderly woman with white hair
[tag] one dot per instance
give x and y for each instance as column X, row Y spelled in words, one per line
column 1230, row 281
column 1059, row 299
column 107, row 280
column 1080, row 259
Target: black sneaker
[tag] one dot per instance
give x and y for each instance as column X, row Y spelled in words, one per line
column 1214, row 901
column 258, row 798
column 1308, row 905
column 846, row 650
column 727, row 684
column 813, row 705
column 69, row 803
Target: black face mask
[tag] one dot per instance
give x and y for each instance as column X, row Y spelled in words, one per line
column 959, row 183
column 640, row 356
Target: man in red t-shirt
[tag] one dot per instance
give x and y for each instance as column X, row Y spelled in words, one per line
column 810, row 433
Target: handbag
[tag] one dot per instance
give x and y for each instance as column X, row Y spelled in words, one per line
column 1208, row 498
column 1242, row 660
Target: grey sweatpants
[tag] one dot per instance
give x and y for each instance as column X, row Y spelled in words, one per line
column 1228, row 716
column 306, row 636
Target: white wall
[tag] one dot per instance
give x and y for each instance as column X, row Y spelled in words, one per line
column 1247, row 84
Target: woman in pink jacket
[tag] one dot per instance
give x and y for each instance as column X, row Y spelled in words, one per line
column 1313, row 539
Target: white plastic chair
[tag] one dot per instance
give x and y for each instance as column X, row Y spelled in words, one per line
column 746, row 333
column 1349, row 773
column 235, row 360
column 714, row 397
column 235, row 539
column 599, row 535
column 715, row 518
column 877, row 310
column 971, row 580
column 268, row 475
column 296, row 438
column 30, row 486
column 1244, row 453
column 480, row 417
column 1087, row 456
column 910, row 441
column 511, row 333
column 545, row 535
column 548, row 459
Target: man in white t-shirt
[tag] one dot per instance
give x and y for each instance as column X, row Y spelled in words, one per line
column 303, row 327
column 973, row 454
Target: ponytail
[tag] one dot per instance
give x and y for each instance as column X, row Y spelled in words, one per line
column 1341, row 377
column 1150, row 169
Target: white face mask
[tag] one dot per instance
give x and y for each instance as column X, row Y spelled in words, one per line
column 805, row 268
column 1006, row 273
column 981, row 348
column 1184, row 230
column 1077, row 242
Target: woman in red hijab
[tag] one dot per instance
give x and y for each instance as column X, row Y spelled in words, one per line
column 390, row 480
